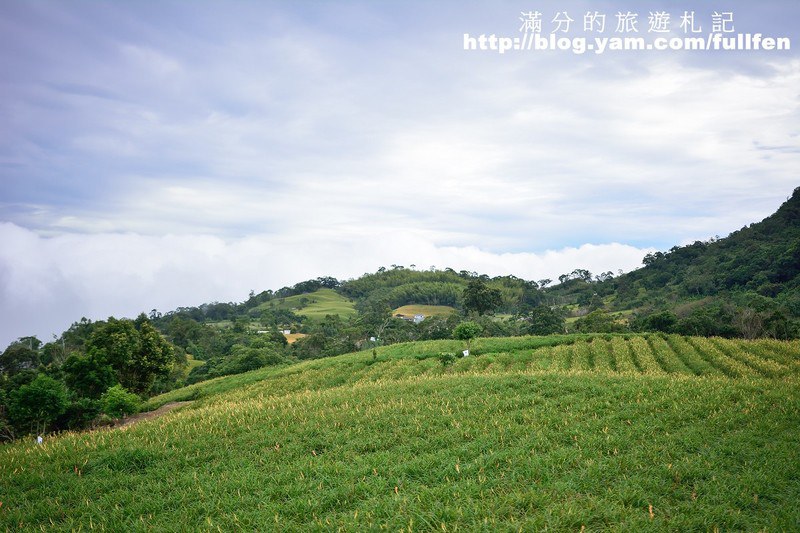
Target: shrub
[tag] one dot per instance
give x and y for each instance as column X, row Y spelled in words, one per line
column 447, row 358
column 118, row 402
column 466, row 331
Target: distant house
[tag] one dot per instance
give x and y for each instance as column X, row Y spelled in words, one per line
column 286, row 331
column 416, row 318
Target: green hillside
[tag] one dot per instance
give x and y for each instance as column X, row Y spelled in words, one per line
column 424, row 310
column 564, row 432
column 746, row 284
column 314, row 305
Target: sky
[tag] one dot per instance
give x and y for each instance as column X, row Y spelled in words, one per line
column 157, row 155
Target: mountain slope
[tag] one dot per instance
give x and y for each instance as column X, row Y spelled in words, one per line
column 763, row 257
column 601, row 432
column 754, row 273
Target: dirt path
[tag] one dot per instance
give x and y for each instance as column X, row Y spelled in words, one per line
column 167, row 407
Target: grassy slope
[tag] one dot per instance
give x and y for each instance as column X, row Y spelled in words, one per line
column 293, row 337
column 322, row 302
column 426, row 310
column 523, row 435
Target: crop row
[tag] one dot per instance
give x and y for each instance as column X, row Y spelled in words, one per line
column 676, row 355
column 650, row 355
column 607, row 354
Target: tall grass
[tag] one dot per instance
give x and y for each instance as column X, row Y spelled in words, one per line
column 531, row 433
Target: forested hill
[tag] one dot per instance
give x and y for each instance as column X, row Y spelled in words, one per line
column 756, row 268
column 763, row 257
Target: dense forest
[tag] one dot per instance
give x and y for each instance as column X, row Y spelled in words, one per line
column 745, row 285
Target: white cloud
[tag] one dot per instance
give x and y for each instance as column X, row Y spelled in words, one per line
column 179, row 156
column 46, row 283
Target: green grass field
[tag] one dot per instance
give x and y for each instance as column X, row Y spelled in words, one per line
column 318, row 304
column 426, row 310
column 625, row 433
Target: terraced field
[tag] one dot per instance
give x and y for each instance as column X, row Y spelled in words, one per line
column 570, row 433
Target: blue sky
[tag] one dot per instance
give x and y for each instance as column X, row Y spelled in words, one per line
column 159, row 155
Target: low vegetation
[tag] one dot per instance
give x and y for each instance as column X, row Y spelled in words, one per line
column 626, row 432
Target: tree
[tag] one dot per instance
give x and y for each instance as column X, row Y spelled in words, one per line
column 241, row 325
column 543, row 320
column 661, row 321
column 20, row 355
column 114, row 342
column 652, row 258
column 437, row 327
column 154, row 358
column 481, row 298
column 581, row 274
column 87, row 375
column 749, row 322
column 135, row 350
column 38, row 403
column 466, row 331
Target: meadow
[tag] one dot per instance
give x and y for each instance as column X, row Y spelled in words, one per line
column 316, row 305
column 425, row 310
column 602, row 432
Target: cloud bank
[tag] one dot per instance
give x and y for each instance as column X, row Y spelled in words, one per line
column 166, row 155
column 46, row 283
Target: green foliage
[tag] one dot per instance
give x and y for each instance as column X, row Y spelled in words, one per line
column 118, row 402
column 331, row 336
column 599, row 322
column 35, row 405
column 447, row 358
column 665, row 321
column 20, row 355
column 383, row 281
column 466, row 331
column 481, row 298
column 437, row 327
column 425, row 293
column 241, row 325
column 254, row 352
column 244, row 358
column 542, row 320
column 87, row 375
column 135, row 350
column 79, row 414
column 707, row 321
